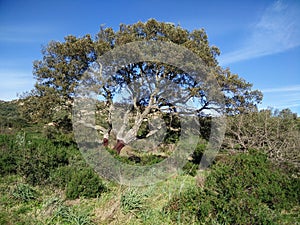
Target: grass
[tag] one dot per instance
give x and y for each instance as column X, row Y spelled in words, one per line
column 22, row 205
column 119, row 205
column 142, row 205
column 46, row 203
column 50, row 206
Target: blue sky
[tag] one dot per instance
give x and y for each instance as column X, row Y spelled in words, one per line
column 259, row 40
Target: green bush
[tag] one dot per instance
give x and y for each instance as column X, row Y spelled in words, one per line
column 10, row 116
column 246, row 189
column 184, row 207
column 8, row 155
column 39, row 158
column 77, row 181
column 138, row 159
column 149, row 159
column 34, row 157
column 192, row 166
column 61, row 176
column 84, row 183
column 58, row 136
column 41, row 161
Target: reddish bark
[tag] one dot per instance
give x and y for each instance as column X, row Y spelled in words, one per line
column 105, row 142
column 118, row 147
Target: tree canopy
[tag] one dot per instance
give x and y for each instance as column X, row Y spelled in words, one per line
column 63, row 65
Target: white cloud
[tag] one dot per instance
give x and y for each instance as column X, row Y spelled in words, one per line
column 23, row 34
column 282, row 89
column 277, row 30
column 14, row 82
column 282, row 97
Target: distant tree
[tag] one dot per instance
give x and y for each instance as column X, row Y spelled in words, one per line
column 10, row 116
column 63, row 65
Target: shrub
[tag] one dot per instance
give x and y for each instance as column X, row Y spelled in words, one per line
column 10, row 116
column 149, row 159
column 39, row 158
column 184, row 207
column 192, row 166
column 34, row 157
column 77, row 181
column 84, row 183
column 58, row 136
column 246, row 189
column 8, row 155
column 61, row 176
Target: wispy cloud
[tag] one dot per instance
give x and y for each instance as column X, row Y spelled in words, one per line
column 277, row 30
column 282, row 89
column 14, row 82
column 282, row 97
column 22, row 34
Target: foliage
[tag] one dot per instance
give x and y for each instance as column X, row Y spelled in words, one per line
column 58, row 135
column 24, row 204
column 63, row 64
column 39, row 157
column 57, row 76
column 10, row 116
column 192, row 166
column 238, row 187
column 61, row 176
column 8, row 157
column 41, row 161
column 246, row 189
column 32, row 157
column 8, row 109
column 138, row 159
column 84, row 183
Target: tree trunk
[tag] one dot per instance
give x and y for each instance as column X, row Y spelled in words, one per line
column 105, row 142
column 118, row 147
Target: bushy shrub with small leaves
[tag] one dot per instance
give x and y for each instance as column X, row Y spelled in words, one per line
column 84, row 183
column 246, row 189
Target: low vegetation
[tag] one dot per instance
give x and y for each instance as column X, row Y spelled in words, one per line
column 44, row 180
